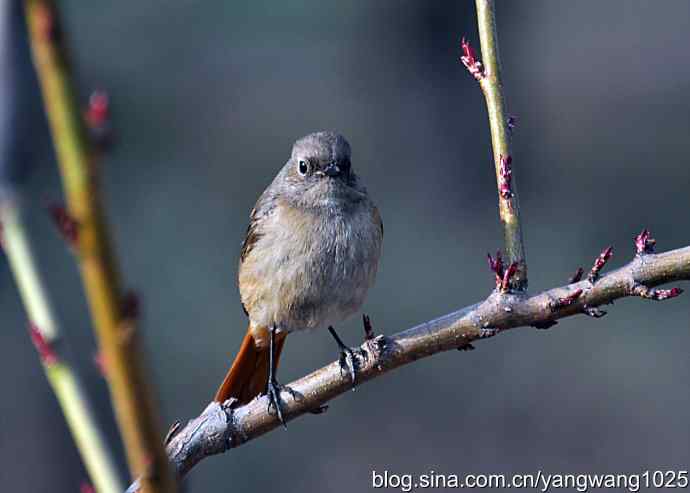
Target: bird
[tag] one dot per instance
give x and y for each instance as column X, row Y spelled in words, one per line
column 310, row 254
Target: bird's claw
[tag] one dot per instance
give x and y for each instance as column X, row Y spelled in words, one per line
column 349, row 362
column 348, row 357
column 273, row 391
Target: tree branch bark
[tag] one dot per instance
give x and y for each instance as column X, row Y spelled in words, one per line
column 222, row 427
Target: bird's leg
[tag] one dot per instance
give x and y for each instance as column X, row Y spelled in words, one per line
column 273, row 388
column 348, row 359
column 368, row 330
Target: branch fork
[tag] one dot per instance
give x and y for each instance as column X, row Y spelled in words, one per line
column 221, row 427
column 488, row 74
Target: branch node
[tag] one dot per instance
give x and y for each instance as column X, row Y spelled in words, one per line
column 644, row 243
column 470, row 61
column 67, row 226
column 505, row 176
column 655, row 294
column 44, row 347
column 565, row 301
column 502, row 276
column 599, row 264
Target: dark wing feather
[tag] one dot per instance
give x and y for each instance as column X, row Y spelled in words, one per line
column 251, row 237
column 263, row 208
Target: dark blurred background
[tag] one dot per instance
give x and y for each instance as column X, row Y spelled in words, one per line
column 207, row 99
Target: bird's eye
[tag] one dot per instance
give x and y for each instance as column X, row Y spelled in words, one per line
column 303, row 167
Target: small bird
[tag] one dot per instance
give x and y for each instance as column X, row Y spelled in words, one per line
column 310, row 255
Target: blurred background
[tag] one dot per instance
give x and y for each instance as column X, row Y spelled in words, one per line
column 206, row 102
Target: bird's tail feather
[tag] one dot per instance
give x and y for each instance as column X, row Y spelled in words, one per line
column 248, row 374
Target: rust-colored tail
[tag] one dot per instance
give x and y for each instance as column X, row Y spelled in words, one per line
column 248, row 374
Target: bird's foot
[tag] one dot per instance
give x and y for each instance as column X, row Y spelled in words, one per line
column 348, row 359
column 275, row 401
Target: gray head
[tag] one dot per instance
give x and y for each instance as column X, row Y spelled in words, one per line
column 321, row 155
column 319, row 172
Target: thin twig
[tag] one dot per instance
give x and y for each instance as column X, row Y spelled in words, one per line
column 599, row 264
column 131, row 396
column 488, row 73
column 45, row 333
column 222, row 427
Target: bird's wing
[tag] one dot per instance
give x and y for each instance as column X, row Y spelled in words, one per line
column 264, row 207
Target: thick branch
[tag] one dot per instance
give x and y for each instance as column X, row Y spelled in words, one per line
column 221, row 427
column 87, row 231
column 492, row 86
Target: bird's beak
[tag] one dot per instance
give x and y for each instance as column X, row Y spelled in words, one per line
column 331, row 169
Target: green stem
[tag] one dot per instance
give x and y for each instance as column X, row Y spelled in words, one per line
column 67, row 388
column 130, row 393
column 492, row 87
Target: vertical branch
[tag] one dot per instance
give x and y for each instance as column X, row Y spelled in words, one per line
column 132, row 398
column 46, row 335
column 492, row 87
